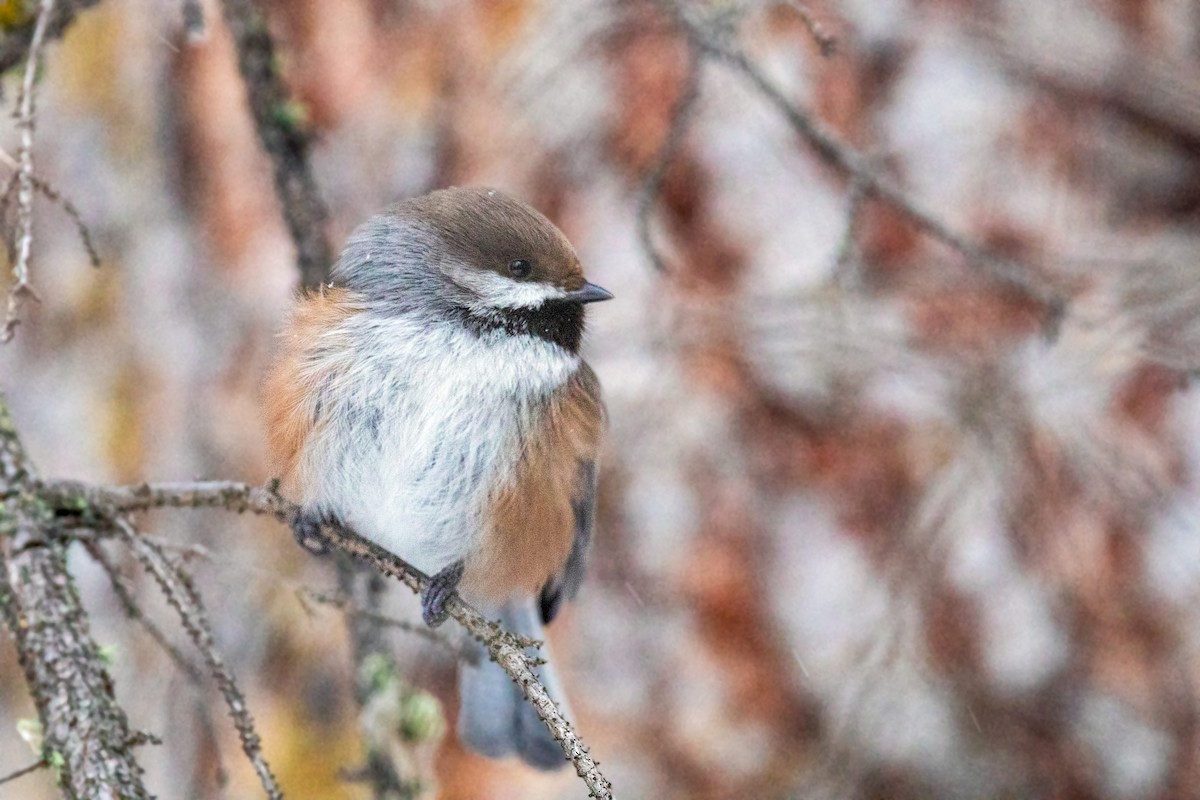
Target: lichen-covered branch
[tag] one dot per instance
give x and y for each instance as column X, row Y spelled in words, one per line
column 364, row 587
column 86, row 735
column 504, row 648
column 181, row 594
column 281, row 127
column 23, row 236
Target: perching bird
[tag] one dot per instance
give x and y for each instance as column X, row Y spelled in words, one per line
column 432, row 398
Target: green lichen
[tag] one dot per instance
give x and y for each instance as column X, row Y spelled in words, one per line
column 290, row 115
column 421, row 718
column 108, row 654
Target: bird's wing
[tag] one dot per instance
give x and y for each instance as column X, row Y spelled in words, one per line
column 584, row 400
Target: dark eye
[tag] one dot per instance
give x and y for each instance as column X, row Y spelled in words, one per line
column 520, row 268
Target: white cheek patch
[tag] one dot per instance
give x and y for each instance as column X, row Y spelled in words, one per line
column 497, row 291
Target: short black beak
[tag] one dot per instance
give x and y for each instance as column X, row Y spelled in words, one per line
column 590, row 293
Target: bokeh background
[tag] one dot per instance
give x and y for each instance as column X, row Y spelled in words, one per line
column 873, row 524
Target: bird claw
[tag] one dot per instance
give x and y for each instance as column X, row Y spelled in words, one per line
column 307, row 529
column 439, row 589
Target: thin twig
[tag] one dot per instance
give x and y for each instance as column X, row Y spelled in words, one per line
column 34, row 767
column 25, row 123
column 824, row 39
column 503, row 647
column 681, row 116
column 846, row 263
column 51, row 193
column 351, row 609
column 124, row 594
column 181, row 594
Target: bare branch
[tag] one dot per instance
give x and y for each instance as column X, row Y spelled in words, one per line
column 504, row 648
column 23, row 237
column 824, row 39
column 1161, row 95
column 181, row 594
column 352, row 609
column 721, row 47
column 681, row 116
column 285, row 137
column 51, row 193
column 23, row 771
column 124, row 594
column 86, row 734
column 845, row 267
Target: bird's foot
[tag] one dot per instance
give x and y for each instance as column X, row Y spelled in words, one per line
column 441, row 586
column 307, row 529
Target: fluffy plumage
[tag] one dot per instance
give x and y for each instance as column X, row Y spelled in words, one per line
column 437, row 404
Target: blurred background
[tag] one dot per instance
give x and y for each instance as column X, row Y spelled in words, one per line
column 873, row 524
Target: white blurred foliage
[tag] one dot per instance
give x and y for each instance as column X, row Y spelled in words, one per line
column 947, row 118
column 856, row 644
column 810, row 346
column 564, row 98
column 1129, row 756
column 791, row 238
column 700, row 705
column 1023, row 645
column 1070, row 387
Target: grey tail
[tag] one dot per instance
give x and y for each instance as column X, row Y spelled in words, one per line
column 494, row 718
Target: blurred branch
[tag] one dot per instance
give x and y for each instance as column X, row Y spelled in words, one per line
column 17, row 42
column 845, row 267
column 193, row 21
column 51, row 193
column 23, row 236
column 23, row 771
column 181, row 594
column 1162, row 96
column 87, row 738
column 681, row 116
column 823, row 38
column 281, row 126
column 365, row 587
column 125, row 595
column 352, row 608
column 717, row 41
column 503, row 647
column 133, row 611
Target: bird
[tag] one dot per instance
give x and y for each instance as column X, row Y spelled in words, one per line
column 431, row 397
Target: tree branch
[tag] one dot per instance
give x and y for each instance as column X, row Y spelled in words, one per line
column 367, row 646
column 23, row 771
column 681, row 116
column 281, row 127
column 720, row 46
column 87, row 737
column 23, row 237
column 181, row 594
column 504, row 648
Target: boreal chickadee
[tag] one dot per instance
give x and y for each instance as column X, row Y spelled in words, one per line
column 432, row 398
